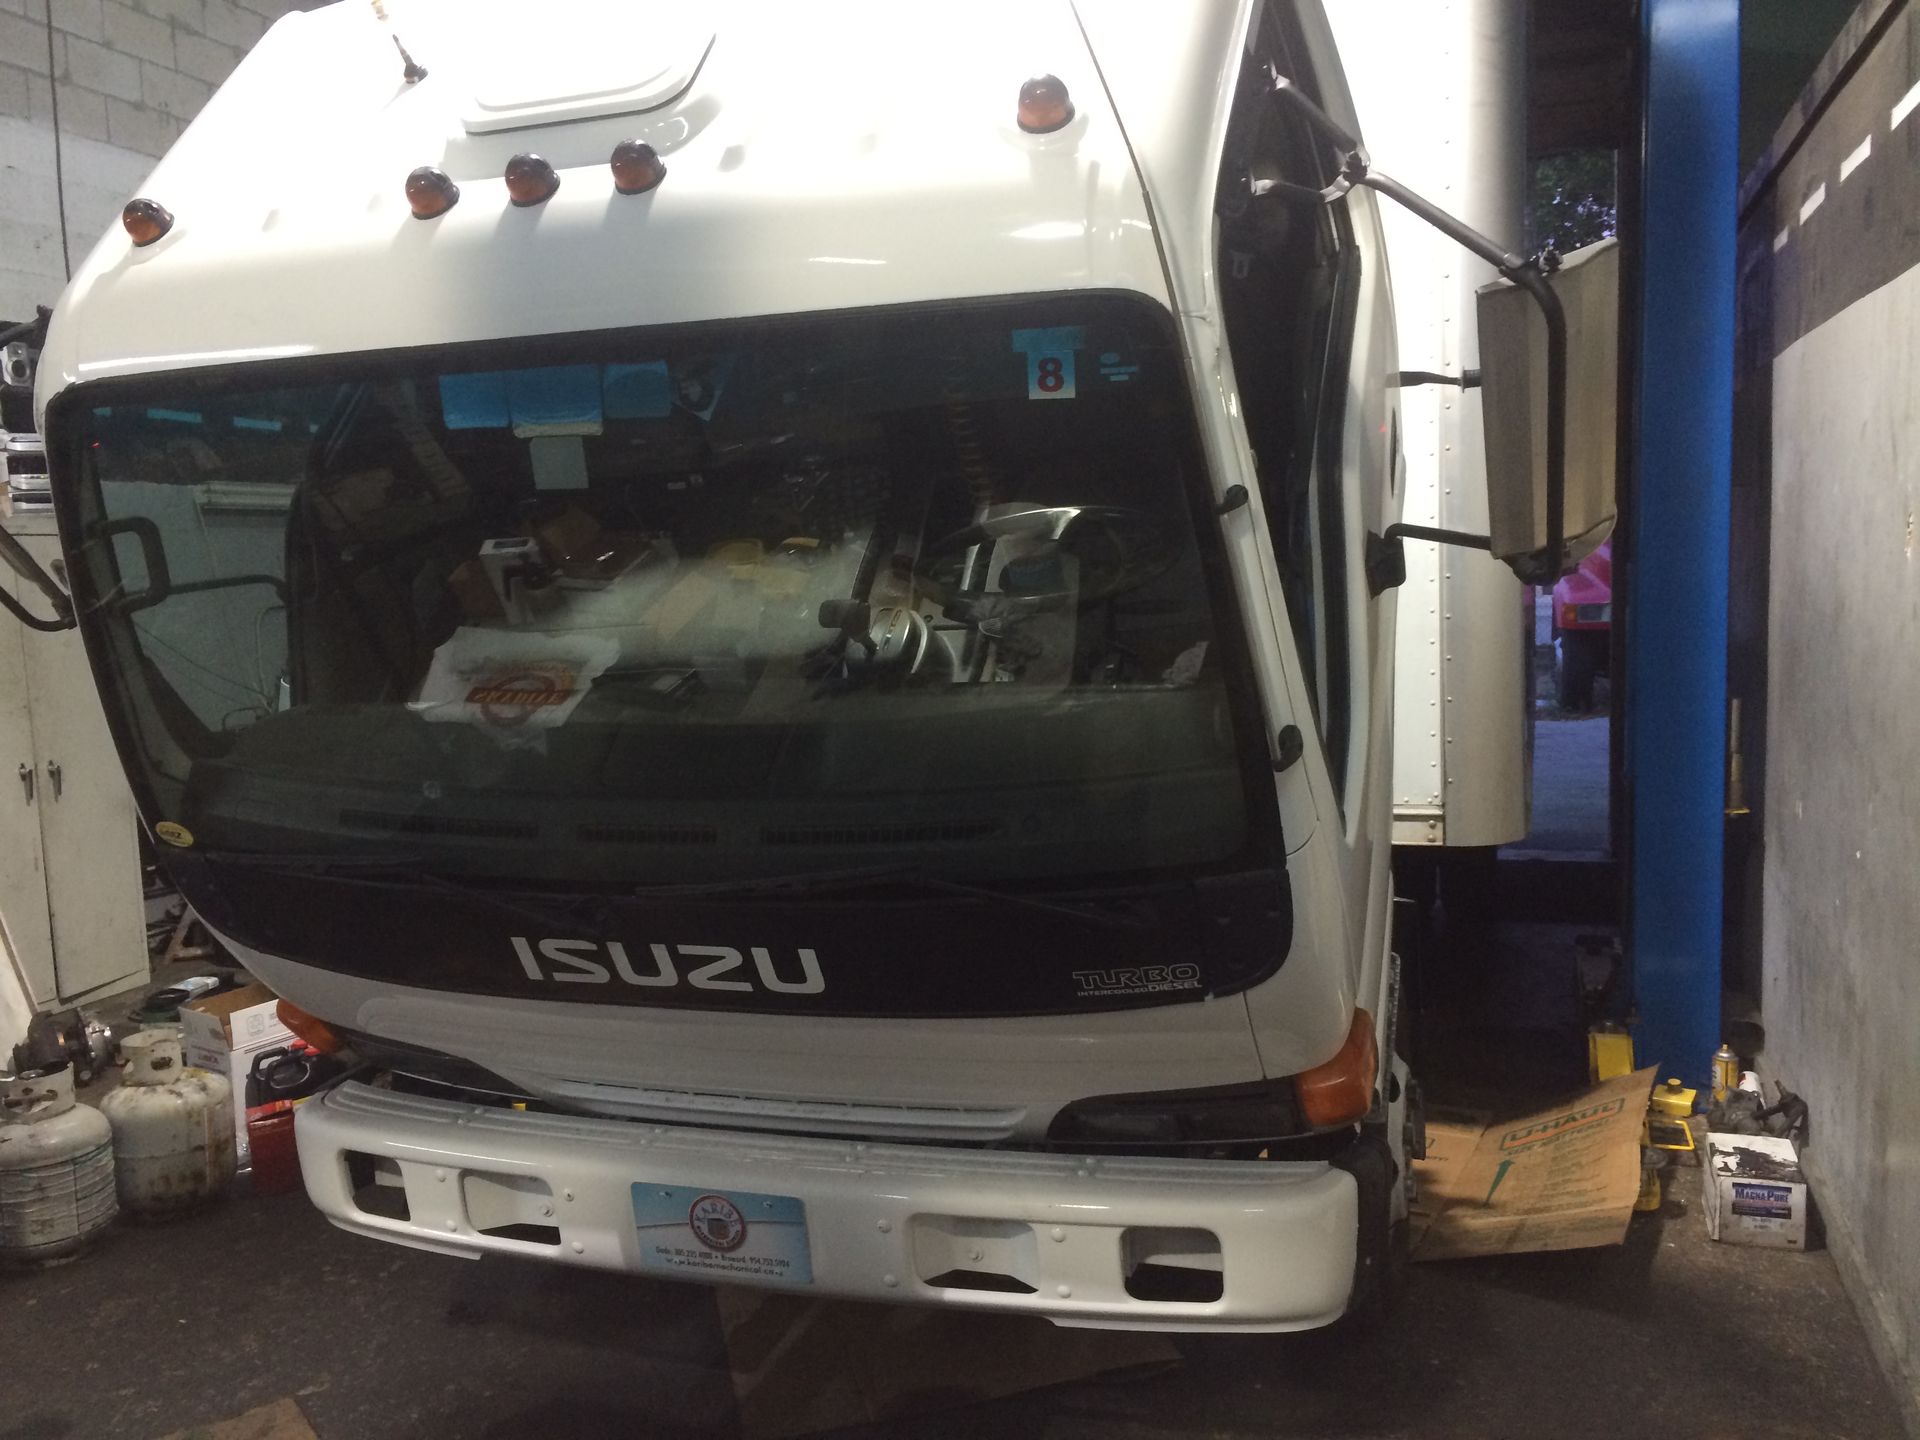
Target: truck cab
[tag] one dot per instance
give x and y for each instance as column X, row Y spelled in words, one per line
column 772, row 619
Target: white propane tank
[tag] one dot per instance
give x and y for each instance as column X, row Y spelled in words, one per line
column 56, row 1168
column 173, row 1143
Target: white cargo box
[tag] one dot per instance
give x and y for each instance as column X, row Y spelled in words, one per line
column 1755, row 1192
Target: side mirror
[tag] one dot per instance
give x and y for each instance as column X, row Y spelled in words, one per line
column 1514, row 399
column 1525, row 354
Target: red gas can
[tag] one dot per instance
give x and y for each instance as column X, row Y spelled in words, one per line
column 281, row 1078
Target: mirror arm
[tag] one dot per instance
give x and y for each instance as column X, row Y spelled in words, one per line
column 1357, row 169
column 29, row 569
column 33, row 331
column 1407, row 379
column 1527, row 276
column 1444, row 537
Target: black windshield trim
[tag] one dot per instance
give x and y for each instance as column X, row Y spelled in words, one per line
column 75, row 497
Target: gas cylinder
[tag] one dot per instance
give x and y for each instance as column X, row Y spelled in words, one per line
column 172, row 1129
column 56, row 1168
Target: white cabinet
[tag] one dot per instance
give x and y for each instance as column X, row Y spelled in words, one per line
column 70, row 888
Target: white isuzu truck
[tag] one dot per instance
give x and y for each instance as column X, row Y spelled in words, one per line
column 789, row 629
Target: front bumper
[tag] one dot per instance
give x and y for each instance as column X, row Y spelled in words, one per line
column 882, row 1221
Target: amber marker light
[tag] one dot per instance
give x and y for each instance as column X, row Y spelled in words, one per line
column 430, row 192
column 530, row 179
column 146, row 220
column 1340, row 1092
column 637, row 167
column 1044, row 105
column 310, row 1028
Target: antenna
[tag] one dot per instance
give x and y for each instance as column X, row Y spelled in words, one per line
column 415, row 72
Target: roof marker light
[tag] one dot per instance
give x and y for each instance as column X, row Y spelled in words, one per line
column 431, row 193
column 637, row 167
column 1044, row 106
column 530, row 179
column 146, row 220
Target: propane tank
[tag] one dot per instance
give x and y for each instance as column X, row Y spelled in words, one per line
column 56, row 1168
column 172, row 1129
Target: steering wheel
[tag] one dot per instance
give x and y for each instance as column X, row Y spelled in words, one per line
column 1114, row 550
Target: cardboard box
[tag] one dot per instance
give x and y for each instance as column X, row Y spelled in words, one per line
column 1755, row 1193
column 1561, row 1178
column 224, row 1033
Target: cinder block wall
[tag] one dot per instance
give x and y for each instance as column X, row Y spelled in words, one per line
column 1831, row 344
column 91, row 93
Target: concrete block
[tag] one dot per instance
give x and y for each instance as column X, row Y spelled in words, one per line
column 82, row 112
column 15, row 96
column 29, row 195
column 33, row 246
column 132, row 33
column 25, row 147
column 111, row 167
column 231, row 25
column 189, row 15
column 39, row 99
column 80, row 17
column 204, row 59
column 138, row 128
column 29, row 280
column 23, row 41
column 181, row 96
column 19, row 7
column 99, row 68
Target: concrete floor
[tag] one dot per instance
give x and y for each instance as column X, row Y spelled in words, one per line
column 163, row 1329
column 1569, row 786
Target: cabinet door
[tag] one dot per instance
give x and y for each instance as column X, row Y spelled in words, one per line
column 23, row 877
column 87, row 824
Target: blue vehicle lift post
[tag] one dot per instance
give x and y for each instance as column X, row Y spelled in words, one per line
column 1676, row 616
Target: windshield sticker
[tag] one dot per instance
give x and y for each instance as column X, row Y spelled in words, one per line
column 1050, row 355
column 512, row 687
column 173, row 834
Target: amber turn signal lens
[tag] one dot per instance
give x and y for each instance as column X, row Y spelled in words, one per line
column 1340, row 1091
column 310, row 1028
column 637, row 167
column 146, row 220
column 1044, row 105
column 430, row 192
column 530, row 179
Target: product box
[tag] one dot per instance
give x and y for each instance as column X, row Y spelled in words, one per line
column 1755, row 1192
column 224, row 1033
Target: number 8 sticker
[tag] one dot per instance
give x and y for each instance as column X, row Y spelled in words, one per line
column 1050, row 355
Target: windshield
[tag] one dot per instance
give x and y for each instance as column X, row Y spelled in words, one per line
column 667, row 606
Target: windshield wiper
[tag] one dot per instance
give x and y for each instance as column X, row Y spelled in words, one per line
column 816, row 882
column 412, row 869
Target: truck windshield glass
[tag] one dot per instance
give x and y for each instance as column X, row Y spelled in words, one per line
column 672, row 606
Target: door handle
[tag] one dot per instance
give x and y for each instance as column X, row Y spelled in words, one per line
column 26, row 780
column 53, row 775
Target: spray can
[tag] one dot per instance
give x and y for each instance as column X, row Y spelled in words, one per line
column 1726, row 1073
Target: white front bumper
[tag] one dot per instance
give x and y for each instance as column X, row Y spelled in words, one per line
column 881, row 1219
